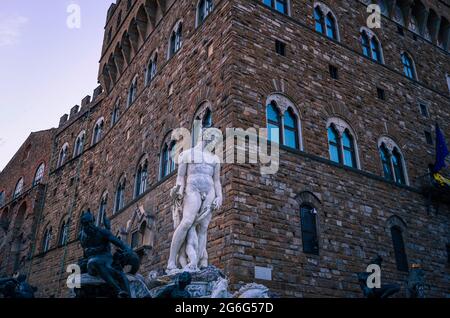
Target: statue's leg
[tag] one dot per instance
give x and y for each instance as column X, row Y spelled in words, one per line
column 192, row 248
column 182, row 256
column 192, row 203
column 203, row 230
column 101, row 265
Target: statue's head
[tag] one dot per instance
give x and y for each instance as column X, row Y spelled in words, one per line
column 183, row 280
column 87, row 218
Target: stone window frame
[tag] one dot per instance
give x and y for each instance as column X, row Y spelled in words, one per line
column 122, row 186
column 308, row 198
column 199, row 117
column 132, row 91
column 150, row 73
column 169, row 144
column 142, row 162
column 325, row 12
column 103, row 203
column 413, row 65
column 341, row 125
column 97, row 137
column 207, row 12
column 396, row 221
column 47, row 237
column 63, row 155
column 81, row 137
column 283, row 104
column 115, row 115
column 371, row 35
column 64, row 224
column 177, row 31
column 391, row 145
column 39, row 174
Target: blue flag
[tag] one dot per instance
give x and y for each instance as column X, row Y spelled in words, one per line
column 441, row 151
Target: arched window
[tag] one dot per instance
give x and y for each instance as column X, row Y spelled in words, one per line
column 168, row 159
column 47, row 240
column 141, row 179
column 331, row 26
column 39, row 175
column 273, row 123
column 399, row 248
column 132, row 92
column 290, row 136
column 398, row 14
column 408, row 66
column 325, row 22
column 79, row 144
column 319, row 20
column 386, row 161
column 375, row 49
column 342, row 143
column 102, row 208
column 392, row 160
column 2, row 198
column 152, row 68
column 63, row 153
column 309, row 229
column 279, row 5
column 120, row 195
column 204, row 8
column 116, row 113
column 64, row 233
column 365, row 44
column 19, row 188
column 98, row 131
column 4, row 219
column 203, row 119
column 176, row 40
column 383, row 6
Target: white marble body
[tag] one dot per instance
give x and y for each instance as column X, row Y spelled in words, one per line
column 198, row 192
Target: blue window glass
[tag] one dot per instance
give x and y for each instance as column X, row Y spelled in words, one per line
column 309, row 230
column 365, row 44
column 290, row 130
column 375, row 47
column 333, row 144
column 273, row 123
column 331, row 27
column 386, row 161
column 318, row 17
column 349, row 150
column 408, row 68
column 281, row 6
column 397, row 163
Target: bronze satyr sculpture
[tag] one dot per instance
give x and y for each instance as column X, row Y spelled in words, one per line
column 98, row 259
column 177, row 290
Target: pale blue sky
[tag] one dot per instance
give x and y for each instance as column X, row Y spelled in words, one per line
column 45, row 67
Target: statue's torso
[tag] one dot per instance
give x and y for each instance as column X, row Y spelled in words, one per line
column 94, row 243
column 200, row 169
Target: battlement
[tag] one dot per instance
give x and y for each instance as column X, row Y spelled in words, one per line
column 86, row 102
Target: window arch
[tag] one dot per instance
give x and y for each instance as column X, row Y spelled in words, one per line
column 46, row 242
column 325, row 21
column 408, row 66
column 63, row 238
column 132, row 92
column 39, row 174
column 342, row 143
column 19, row 188
column 79, row 144
column 281, row 6
column 115, row 113
column 283, row 122
column 168, row 160
column 397, row 229
column 63, row 153
column 141, row 178
column 176, row 39
column 392, row 160
column 371, row 46
column 98, row 131
column 308, row 218
column 152, row 68
column 204, row 8
column 102, row 208
column 120, row 195
column 203, row 119
column 399, row 16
